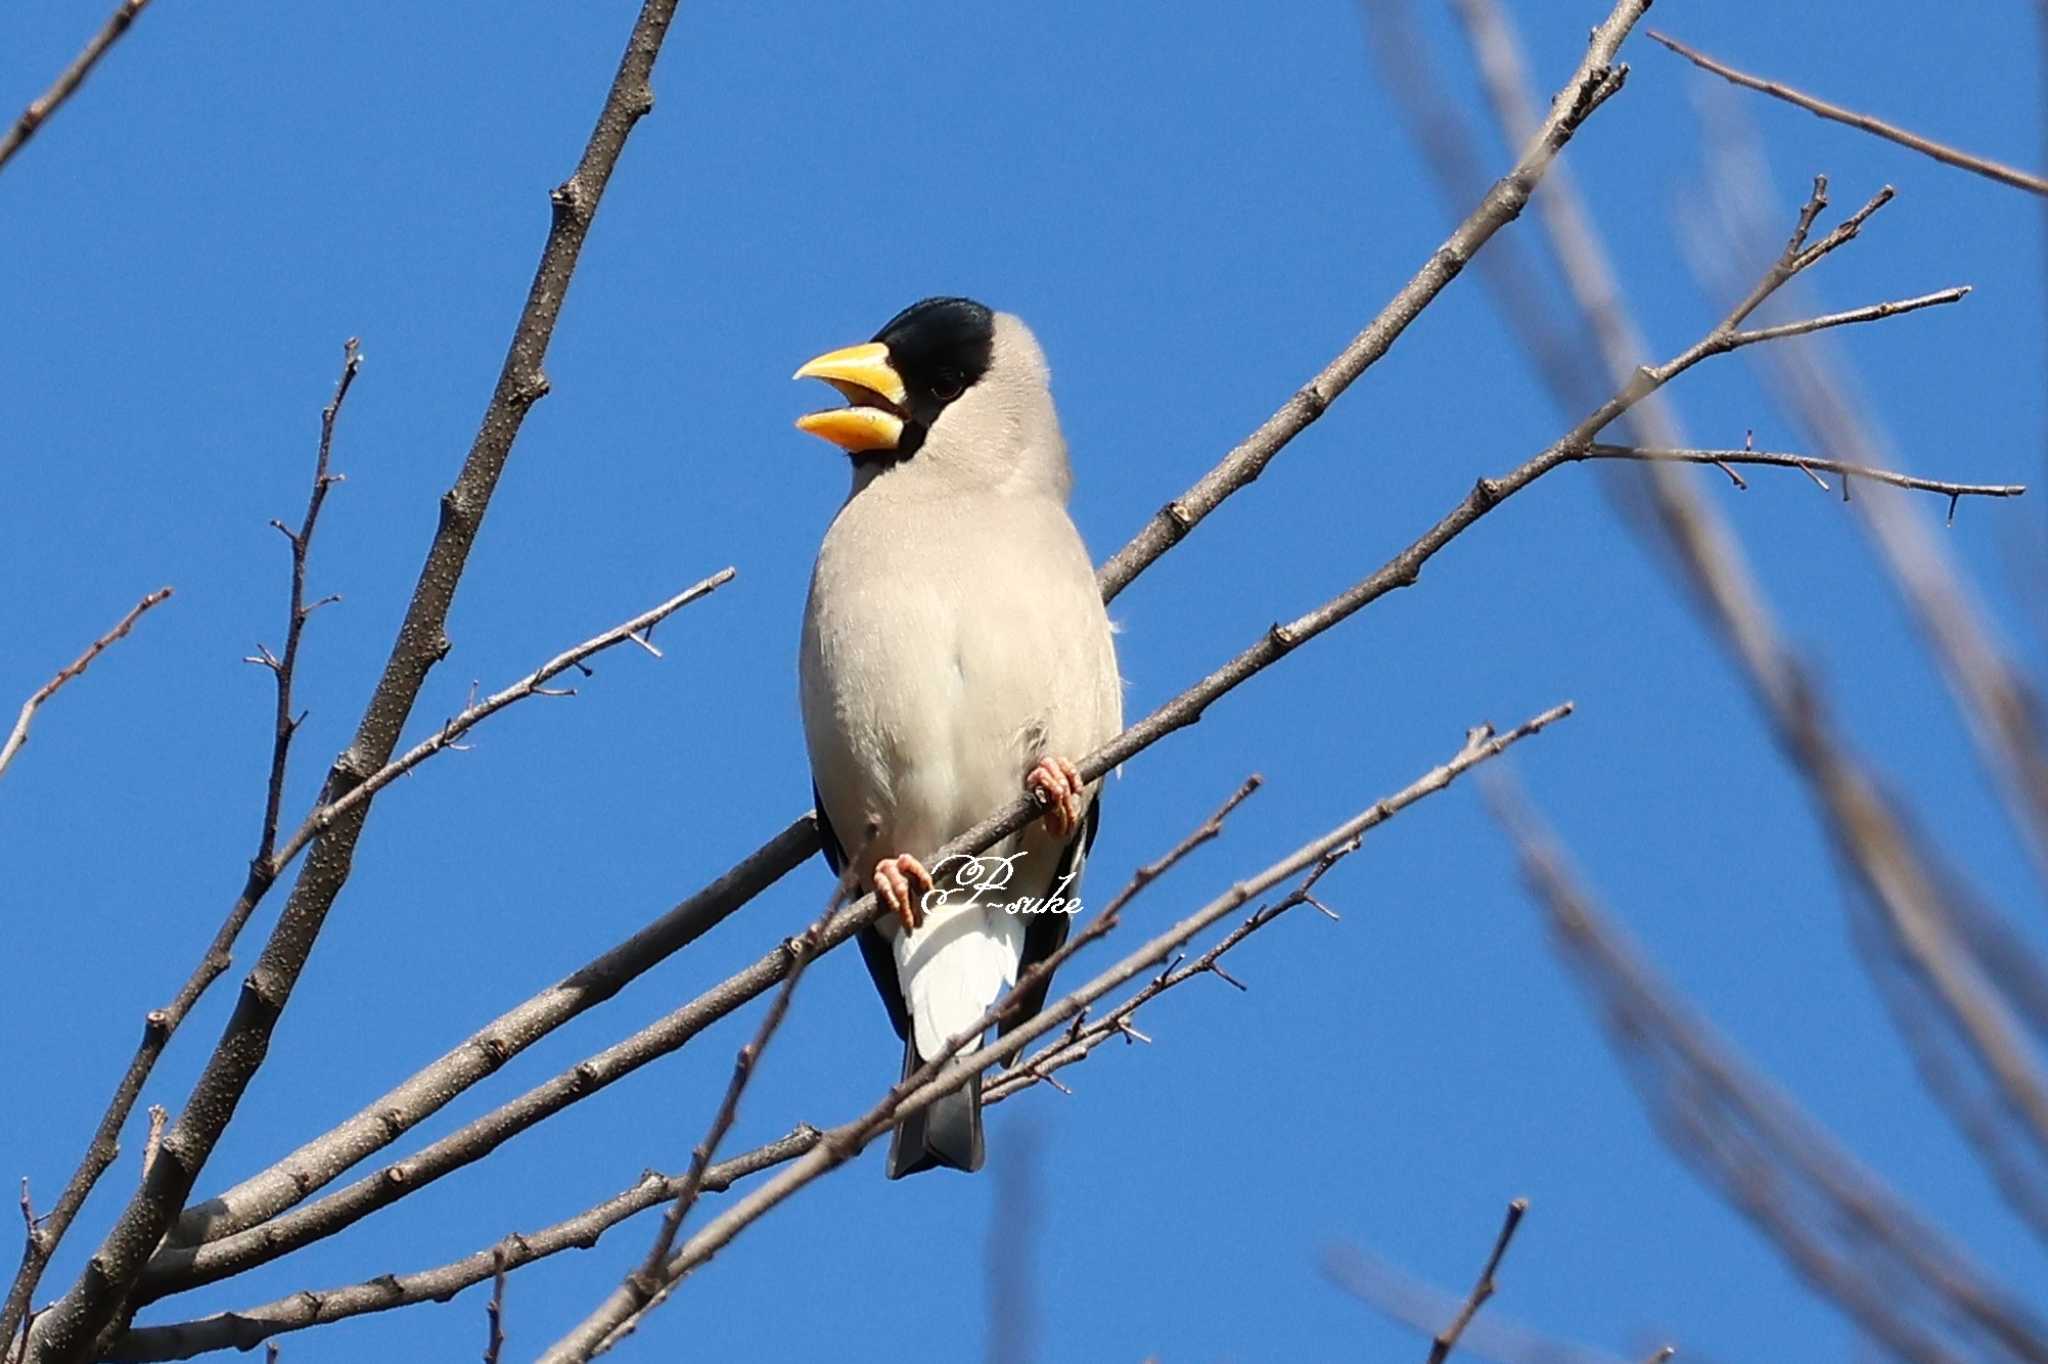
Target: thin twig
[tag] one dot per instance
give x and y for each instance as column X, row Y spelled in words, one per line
column 39, row 111
column 1806, row 463
column 69, row 1331
column 284, row 666
column 1447, row 1339
column 494, row 1311
column 944, row 1073
column 1992, row 170
column 263, row 870
column 802, row 949
column 18, row 736
column 1596, row 78
column 533, row 684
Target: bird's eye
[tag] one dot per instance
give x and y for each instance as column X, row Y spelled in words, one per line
column 947, row 386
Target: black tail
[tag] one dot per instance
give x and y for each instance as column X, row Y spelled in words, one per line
column 946, row 1133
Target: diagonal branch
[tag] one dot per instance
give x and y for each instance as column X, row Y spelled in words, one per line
column 1596, row 78
column 1483, row 1290
column 283, row 666
column 44, row 1233
column 1851, row 1237
column 73, row 76
column 175, row 1270
column 264, row 867
column 375, row 1127
column 949, row 1072
column 68, row 1331
column 18, row 736
column 244, row 1330
column 1992, row 170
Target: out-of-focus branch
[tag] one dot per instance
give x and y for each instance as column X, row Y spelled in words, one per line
column 1873, row 841
column 73, row 76
column 1959, row 983
column 69, row 1330
column 1843, row 1230
column 18, row 736
column 1400, row 1297
column 1991, row 170
column 949, row 1071
column 1596, row 78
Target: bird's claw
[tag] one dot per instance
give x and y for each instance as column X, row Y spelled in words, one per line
column 1055, row 783
column 894, row 877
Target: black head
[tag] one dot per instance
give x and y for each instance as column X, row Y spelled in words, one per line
column 941, row 348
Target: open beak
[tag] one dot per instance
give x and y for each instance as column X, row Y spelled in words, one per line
column 873, row 418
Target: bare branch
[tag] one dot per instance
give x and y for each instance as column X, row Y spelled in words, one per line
column 69, row 1330
column 494, row 1311
column 1992, row 170
column 802, row 949
column 18, row 736
column 263, row 872
column 1597, row 78
column 105, row 1146
column 1810, row 464
column 247, row 1329
column 945, row 1073
column 1839, row 1226
column 284, row 667
column 533, row 684
column 379, row 1123
column 39, row 111
column 1447, row 1339
column 1402, row 1298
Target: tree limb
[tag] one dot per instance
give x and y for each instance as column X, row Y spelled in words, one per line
column 1596, row 78
column 73, row 76
column 18, row 736
column 68, row 1331
column 949, row 1072
column 1991, row 170
column 1842, row 1229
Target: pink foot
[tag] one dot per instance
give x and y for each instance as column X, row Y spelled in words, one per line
column 893, row 879
column 1056, row 784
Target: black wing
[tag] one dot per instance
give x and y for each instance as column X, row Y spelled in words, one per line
column 874, row 948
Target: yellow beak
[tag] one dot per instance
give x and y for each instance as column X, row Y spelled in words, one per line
column 874, row 390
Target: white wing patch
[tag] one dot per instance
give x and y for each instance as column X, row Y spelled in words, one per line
column 954, row 967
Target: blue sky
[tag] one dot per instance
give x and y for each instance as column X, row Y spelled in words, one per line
column 1194, row 207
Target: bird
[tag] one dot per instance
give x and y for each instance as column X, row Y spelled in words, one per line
column 955, row 653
